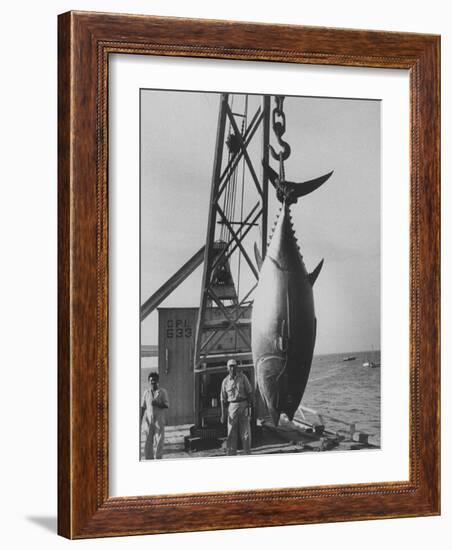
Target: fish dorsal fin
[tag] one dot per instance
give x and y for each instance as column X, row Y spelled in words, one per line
column 313, row 276
column 258, row 256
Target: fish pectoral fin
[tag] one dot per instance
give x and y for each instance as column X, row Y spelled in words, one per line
column 306, row 187
column 282, row 339
column 313, row 276
column 258, row 256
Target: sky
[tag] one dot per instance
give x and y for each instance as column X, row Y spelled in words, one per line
column 339, row 222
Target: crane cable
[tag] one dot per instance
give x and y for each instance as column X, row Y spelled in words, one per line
column 244, row 127
column 223, row 231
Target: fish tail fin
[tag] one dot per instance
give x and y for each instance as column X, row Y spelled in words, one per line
column 289, row 192
column 306, row 187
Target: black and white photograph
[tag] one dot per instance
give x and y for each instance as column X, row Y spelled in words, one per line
column 260, row 274
column 224, row 237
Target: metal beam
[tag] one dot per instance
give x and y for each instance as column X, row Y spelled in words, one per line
column 231, row 321
column 247, row 136
column 265, row 155
column 238, row 238
column 244, row 151
column 237, row 158
column 248, row 226
column 229, row 253
column 208, row 254
column 224, row 358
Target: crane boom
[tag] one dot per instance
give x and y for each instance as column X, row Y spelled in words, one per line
column 172, row 283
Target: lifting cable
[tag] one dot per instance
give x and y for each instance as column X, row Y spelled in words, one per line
column 244, row 128
column 231, row 207
column 223, row 231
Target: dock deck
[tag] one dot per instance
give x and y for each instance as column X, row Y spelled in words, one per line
column 289, row 437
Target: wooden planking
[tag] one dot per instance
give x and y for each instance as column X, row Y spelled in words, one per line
column 85, row 40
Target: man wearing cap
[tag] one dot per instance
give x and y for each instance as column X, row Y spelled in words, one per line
column 236, row 397
column 154, row 404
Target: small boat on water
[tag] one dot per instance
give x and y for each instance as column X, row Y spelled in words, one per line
column 371, row 363
column 350, row 358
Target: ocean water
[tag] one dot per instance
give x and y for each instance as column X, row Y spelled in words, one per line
column 346, row 390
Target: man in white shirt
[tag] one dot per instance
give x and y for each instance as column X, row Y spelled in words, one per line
column 153, row 407
column 236, row 398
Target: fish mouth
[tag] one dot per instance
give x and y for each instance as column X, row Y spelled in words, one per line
column 290, row 406
column 270, row 380
column 276, row 391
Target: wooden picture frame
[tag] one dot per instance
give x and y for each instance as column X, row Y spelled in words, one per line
column 85, row 42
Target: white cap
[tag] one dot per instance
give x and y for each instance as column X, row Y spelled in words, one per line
column 232, row 363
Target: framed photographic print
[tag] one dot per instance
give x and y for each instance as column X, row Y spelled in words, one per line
column 248, row 275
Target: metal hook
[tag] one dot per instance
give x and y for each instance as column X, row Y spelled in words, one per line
column 284, row 154
column 279, row 127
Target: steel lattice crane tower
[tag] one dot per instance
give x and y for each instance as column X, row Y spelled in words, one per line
column 223, row 314
column 238, row 205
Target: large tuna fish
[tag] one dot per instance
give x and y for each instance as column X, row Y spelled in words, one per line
column 283, row 321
